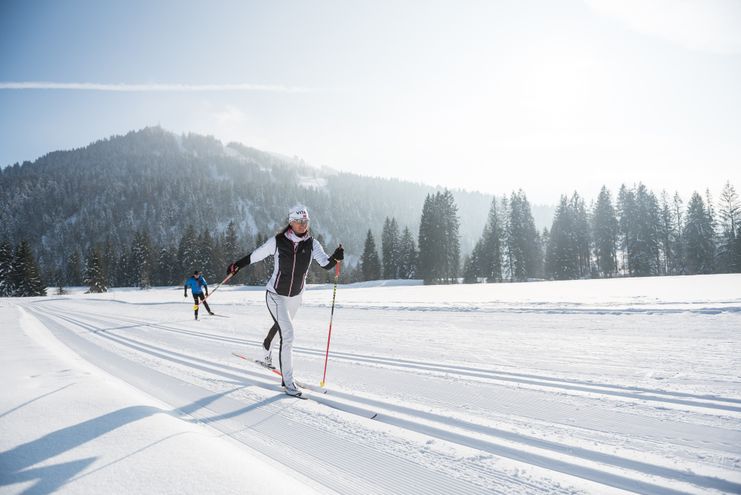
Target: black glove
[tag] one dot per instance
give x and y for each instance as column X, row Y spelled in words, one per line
column 206, row 292
column 339, row 254
column 186, row 294
column 232, row 269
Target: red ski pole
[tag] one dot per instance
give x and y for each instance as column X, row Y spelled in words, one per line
column 228, row 277
column 329, row 336
column 197, row 304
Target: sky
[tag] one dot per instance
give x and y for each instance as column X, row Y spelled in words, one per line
column 546, row 96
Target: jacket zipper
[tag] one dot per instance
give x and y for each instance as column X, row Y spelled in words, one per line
column 293, row 269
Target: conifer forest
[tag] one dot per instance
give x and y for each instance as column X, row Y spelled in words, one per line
column 148, row 208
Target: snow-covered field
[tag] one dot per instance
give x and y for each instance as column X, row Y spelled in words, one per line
column 604, row 386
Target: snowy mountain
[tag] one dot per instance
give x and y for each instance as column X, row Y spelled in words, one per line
column 155, row 181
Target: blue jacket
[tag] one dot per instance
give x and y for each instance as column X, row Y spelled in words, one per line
column 195, row 284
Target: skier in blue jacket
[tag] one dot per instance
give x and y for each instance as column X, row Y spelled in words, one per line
column 197, row 286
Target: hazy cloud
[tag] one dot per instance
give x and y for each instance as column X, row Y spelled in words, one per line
column 703, row 25
column 225, row 122
column 85, row 86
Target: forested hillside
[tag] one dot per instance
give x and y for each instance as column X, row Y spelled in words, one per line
column 157, row 184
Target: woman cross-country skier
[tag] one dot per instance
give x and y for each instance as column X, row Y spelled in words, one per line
column 197, row 285
column 293, row 249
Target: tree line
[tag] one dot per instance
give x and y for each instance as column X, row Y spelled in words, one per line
column 19, row 271
column 142, row 264
column 638, row 234
column 642, row 234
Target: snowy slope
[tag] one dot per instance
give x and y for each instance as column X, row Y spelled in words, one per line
column 604, row 386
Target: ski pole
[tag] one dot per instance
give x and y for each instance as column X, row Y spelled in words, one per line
column 197, row 304
column 228, row 277
column 329, row 336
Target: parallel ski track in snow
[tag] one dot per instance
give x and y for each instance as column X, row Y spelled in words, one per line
column 344, row 466
column 565, row 309
column 575, row 461
column 629, row 392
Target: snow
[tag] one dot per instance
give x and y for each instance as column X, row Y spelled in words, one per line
column 319, row 183
column 597, row 386
column 67, row 427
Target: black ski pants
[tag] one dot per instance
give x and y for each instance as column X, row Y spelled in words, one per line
column 202, row 298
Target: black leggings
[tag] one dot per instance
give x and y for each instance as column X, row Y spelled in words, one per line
column 202, row 298
column 273, row 330
column 271, row 333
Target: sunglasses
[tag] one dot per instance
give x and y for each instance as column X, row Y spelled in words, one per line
column 302, row 221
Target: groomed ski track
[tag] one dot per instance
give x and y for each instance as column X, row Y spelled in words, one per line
column 413, row 403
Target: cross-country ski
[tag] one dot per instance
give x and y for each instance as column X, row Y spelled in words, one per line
column 276, row 372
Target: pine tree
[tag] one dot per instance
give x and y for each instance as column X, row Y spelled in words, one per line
column 390, row 249
column 698, row 236
column 188, row 256
column 507, row 254
column 737, row 250
column 730, row 222
column 58, row 278
column 428, row 261
column 451, row 241
column 370, row 262
column 710, row 209
column 166, row 263
column 545, row 238
column 562, row 253
column 74, row 269
column 142, row 259
column 216, row 264
column 6, row 269
column 716, row 238
column 230, row 244
column 407, row 256
column 645, row 251
column 678, row 265
column 522, row 239
column 204, row 252
column 582, row 238
column 666, row 234
column 439, row 240
column 109, row 259
column 94, row 275
column 490, row 256
column 626, row 215
column 472, row 264
column 25, row 277
column 125, row 268
column 604, row 234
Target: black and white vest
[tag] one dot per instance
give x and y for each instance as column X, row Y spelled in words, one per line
column 293, row 255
